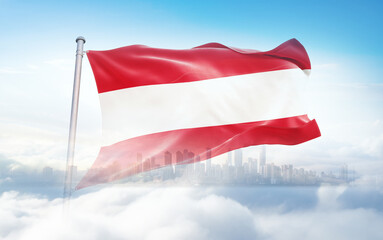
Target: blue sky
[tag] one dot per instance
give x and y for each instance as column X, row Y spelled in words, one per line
column 345, row 30
column 341, row 27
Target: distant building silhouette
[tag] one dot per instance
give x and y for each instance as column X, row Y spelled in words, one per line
column 187, row 167
column 229, row 159
column 262, row 161
column 238, row 158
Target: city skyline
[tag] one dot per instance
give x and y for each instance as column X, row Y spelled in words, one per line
column 253, row 171
column 236, row 170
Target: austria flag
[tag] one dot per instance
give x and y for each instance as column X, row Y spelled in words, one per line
column 162, row 106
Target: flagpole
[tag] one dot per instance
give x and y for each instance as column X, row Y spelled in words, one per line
column 73, row 120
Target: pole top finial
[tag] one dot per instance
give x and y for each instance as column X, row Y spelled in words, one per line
column 80, row 38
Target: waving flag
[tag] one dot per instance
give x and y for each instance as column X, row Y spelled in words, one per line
column 162, row 106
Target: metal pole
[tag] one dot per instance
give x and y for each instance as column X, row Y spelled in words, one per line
column 73, row 120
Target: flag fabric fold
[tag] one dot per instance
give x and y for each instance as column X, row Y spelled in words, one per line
column 162, row 107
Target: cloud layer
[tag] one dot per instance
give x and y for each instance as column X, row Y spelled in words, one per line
column 182, row 213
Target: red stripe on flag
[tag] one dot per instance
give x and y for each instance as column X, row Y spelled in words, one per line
column 157, row 150
column 139, row 65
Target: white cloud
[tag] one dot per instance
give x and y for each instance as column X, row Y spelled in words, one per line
column 27, row 70
column 37, row 147
column 180, row 213
column 327, row 197
column 61, row 63
column 32, row 66
column 325, row 67
column 370, row 181
column 8, row 70
column 6, row 180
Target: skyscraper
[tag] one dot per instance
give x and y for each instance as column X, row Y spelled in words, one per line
column 179, row 157
column 229, row 161
column 208, row 162
column 238, row 158
column 262, row 160
column 167, row 172
column 253, row 166
column 139, row 163
column 168, row 158
column 287, row 173
column 344, row 172
column 179, row 169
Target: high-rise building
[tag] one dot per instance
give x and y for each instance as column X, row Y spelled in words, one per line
column 253, row 166
column 238, row 158
column 190, row 157
column 262, row 160
column 139, row 163
column 168, row 158
column 344, row 172
column 275, row 174
column 179, row 168
column 287, row 173
column 208, row 162
column 167, row 171
column 229, row 159
column 179, row 157
column 185, row 156
column 239, row 171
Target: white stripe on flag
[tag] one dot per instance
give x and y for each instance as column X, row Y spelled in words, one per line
column 138, row 111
